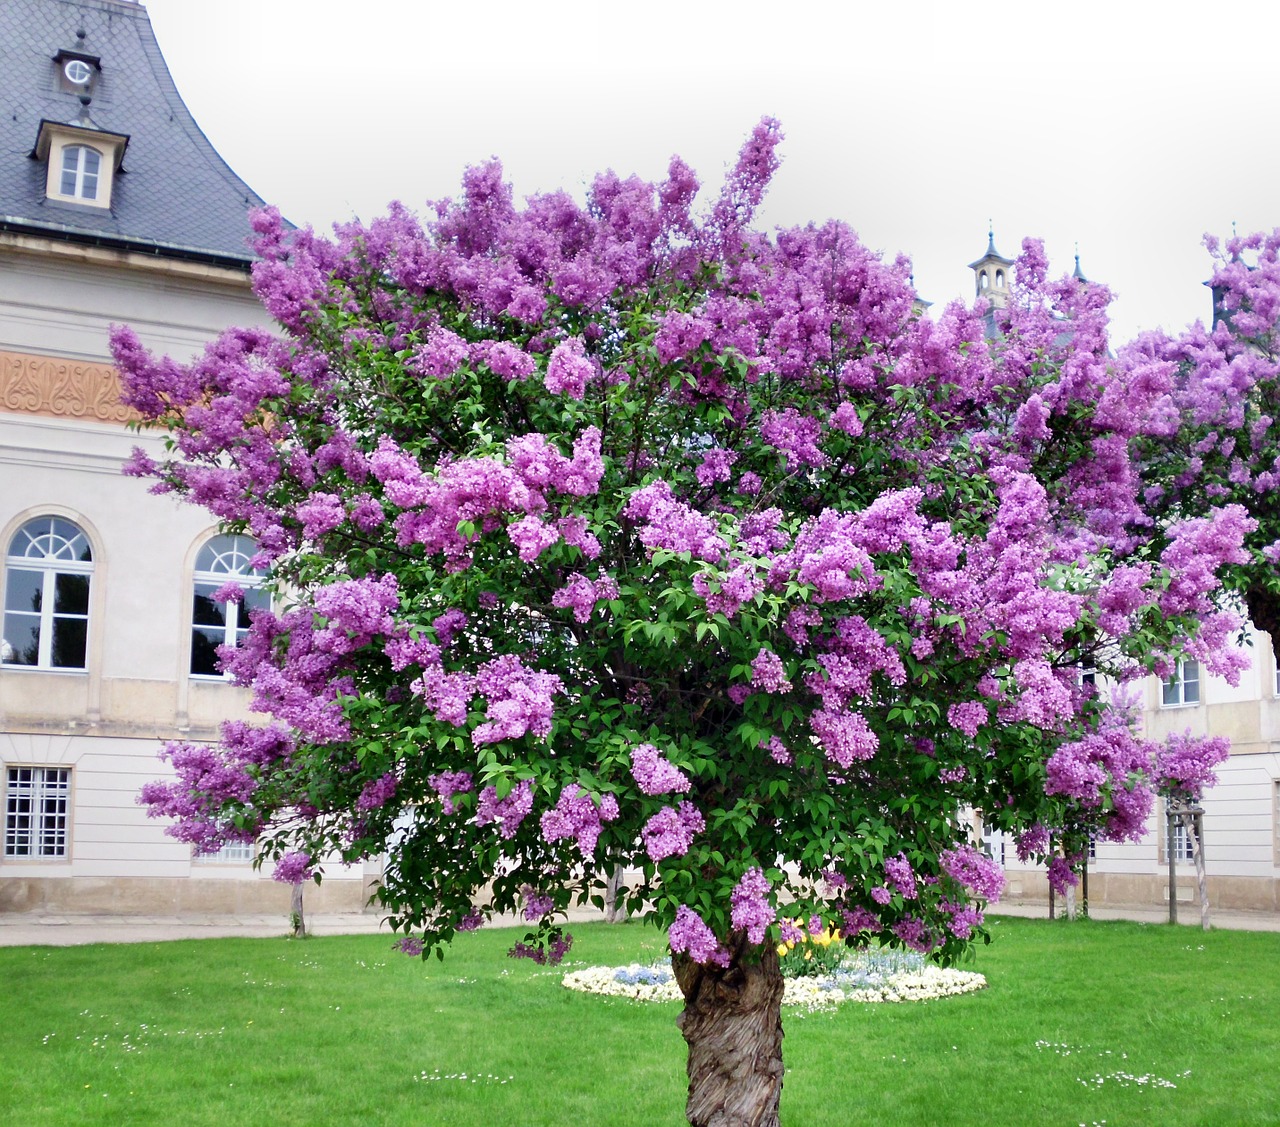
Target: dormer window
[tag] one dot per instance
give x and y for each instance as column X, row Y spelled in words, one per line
column 80, row 167
column 81, row 161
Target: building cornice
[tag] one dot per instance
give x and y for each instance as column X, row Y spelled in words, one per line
column 172, row 261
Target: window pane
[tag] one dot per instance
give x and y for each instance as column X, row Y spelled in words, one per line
column 204, row 655
column 91, row 162
column 89, row 188
column 71, row 594
column 1191, row 692
column 36, row 811
column 1170, row 692
column 70, row 636
column 24, row 590
column 70, row 162
column 204, row 611
column 255, row 598
column 22, row 637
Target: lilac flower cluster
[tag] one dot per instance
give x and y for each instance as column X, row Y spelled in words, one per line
column 670, row 832
column 768, row 673
column 974, row 870
column 654, row 774
column 206, row 782
column 844, row 737
column 569, row 370
column 582, row 594
column 552, row 954
column 690, row 935
column 508, row 812
column 664, row 522
column 377, row 793
column 463, row 494
column 963, row 918
column 1184, row 765
column 536, row 904
column 293, row 868
column 1110, row 757
column 901, row 876
column 916, row 934
column 750, row 908
column 716, row 465
column 967, row 716
column 858, row 919
column 579, row 816
column 726, row 592
column 519, row 700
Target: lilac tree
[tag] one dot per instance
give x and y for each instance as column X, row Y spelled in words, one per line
column 626, row 535
column 1210, row 399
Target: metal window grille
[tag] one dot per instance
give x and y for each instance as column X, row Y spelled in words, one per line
column 234, row 852
column 1183, row 850
column 36, row 811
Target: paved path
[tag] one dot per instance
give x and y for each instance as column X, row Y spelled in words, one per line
column 21, row 929
column 1188, row 915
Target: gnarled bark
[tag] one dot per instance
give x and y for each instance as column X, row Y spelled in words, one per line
column 732, row 1022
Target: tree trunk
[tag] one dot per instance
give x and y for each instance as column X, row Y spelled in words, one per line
column 732, row 1022
column 297, row 923
column 1202, row 881
column 613, row 912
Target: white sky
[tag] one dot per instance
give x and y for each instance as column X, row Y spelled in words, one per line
column 1126, row 126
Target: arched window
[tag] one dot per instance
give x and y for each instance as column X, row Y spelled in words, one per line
column 223, row 622
column 983, row 281
column 999, row 279
column 46, row 599
column 80, row 168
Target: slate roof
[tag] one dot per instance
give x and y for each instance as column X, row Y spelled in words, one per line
column 176, row 197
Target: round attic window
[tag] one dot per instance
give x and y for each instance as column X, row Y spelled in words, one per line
column 78, row 72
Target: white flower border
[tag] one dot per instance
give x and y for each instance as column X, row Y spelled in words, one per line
column 915, row 986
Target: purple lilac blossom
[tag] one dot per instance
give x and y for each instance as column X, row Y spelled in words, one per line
column 690, row 935
column 508, row 812
column 293, row 868
column 580, row 817
column 654, row 774
column 750, row 907
column 670, row 831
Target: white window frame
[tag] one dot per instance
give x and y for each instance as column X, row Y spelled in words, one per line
column 232, row 853
column 59, row 548
column 1275, row 819
column 75, row 164
column 225, row 558
column 1181, row 689
column 37, row 813
column 1183, row 850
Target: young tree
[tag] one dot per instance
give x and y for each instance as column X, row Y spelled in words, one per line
column 627, row 535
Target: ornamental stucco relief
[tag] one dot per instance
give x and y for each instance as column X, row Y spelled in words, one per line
column 53, row 386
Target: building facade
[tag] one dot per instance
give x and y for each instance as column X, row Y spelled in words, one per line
column 114, row 208
column 1241, row 820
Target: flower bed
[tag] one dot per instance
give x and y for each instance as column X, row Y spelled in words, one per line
column 862, row 976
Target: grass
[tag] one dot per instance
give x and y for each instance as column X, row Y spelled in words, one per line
column 346, row 1031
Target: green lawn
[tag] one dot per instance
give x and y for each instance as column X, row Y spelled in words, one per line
column 1081, row 1023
